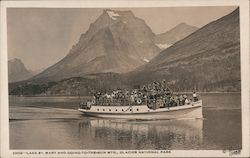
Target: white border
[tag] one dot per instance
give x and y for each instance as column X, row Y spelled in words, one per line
column 244, row 34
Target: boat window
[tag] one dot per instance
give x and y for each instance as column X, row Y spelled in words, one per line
column 130, row 109
column 103, row 109
column 137, row 109
column 109, row 109
column 97, row 109
column 122, row 109
column 115, row 109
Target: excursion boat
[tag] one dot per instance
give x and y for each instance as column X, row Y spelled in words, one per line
column 144, row 111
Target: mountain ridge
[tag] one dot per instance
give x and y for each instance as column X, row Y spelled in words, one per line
column 208, row 54
column 175, row 34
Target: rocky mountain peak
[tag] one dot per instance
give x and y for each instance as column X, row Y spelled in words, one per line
column 117, row 41
column 17, row 70
column 118, row 14
column 16, row 63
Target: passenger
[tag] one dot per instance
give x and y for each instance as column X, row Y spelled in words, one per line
column 144, row 98
column 136, row 95
column 95, row 97
column 150, row 86
column 158, row 87
column 181, row 100
column 165, row 101
column 163, row 85
column 144, row 89
column 153, row 92
column 108, row 99
column 99, row 97
column 184, row 99
column 127, row 97
column 88, row 104
column 171, row 102
column 132, row 98
column 112, row 97
column 151, row 100
column 178, row 101
column 167, row 91
column 123, row 99
column 195, row 96
column 187, row 101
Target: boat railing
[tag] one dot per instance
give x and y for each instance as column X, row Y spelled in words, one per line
column 118, row 102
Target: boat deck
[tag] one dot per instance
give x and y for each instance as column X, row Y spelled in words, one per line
column 128, row 111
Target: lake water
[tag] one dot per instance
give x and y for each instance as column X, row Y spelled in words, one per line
column 54, row 123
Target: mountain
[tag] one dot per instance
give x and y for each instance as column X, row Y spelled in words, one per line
column 182, row 30
column 207, row 60
column 17, row 71
column 116, row 42
column 104, row 82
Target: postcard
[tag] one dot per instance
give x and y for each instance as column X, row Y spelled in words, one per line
column 125, row 78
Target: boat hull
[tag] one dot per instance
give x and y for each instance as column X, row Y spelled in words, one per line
column 193, row 110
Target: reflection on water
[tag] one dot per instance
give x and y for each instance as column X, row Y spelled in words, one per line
column 39, row 124
column 164, row 134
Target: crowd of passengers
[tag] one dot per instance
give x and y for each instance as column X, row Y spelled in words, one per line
column 151, row 94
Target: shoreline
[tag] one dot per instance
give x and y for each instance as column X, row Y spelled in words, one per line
column 84, row 96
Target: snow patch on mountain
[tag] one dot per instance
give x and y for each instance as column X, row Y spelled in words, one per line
column 145, row 59
column 112, row 14
column 163, row 46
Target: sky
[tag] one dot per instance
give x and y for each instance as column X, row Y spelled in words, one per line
column 40, row 37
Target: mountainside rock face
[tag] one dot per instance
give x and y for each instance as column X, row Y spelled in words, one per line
column 177, row 33
column 17, row 71
column 116, row 42
column 207, row 60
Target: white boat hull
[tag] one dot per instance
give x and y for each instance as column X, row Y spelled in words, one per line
column 193, row 110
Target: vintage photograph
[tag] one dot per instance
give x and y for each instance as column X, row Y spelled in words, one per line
column 125, row 78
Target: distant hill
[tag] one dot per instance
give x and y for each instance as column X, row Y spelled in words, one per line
column 17, row 71
column 104, row 82
column 207, row 60
column 71, row 86
column 182, row 30
column 116, row 42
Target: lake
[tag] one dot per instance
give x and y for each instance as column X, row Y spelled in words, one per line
column 55, row 123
